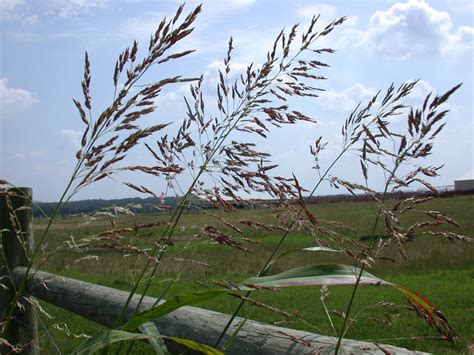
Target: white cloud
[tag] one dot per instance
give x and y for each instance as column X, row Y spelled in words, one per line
column 414, row 28
column 22, row 156
column 351, row 21
column 12, row 99
column 141, row 27
column 8, row 8
column 235, row 68
column 71, row 137
column 71, row 8
column 24, row 36
column 219, row 6
column 10, row 5
column 31, row 12
column 421, row 89
column 462, row 40
column 243, row 2
column 206, row 40
column 346, row 100
column 461, row 6
column 345, row 36
column 30, row 20
column 251, row 44
column 211, row 74
column 326, row 12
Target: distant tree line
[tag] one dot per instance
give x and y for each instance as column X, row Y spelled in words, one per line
column 154, row 205
column 146, row 205
column 395, row 195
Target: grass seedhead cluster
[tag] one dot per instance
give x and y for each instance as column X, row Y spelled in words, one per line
column 108, row 139
column 213, row 165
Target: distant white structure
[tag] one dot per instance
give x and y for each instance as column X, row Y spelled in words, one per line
column 465, row 182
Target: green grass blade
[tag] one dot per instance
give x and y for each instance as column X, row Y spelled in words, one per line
column 106, row 338
column 316, row 275
column 290, row 252
column 270, row 264
column 148, row 328
column 171, row 305
column 231, row 340
column 320, row 249
column 191, row 344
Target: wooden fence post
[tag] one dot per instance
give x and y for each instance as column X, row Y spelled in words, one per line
column 16, row 221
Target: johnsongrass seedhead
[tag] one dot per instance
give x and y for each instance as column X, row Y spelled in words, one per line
column 213, row 164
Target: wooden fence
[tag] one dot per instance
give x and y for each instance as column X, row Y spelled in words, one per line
column 103, row 304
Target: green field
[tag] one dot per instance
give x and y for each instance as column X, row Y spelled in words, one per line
column 442, row 270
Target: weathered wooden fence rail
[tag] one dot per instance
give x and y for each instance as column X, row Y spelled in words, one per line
column 103, row 304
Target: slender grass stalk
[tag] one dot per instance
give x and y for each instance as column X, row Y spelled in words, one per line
column 217, row 144
column 175, row 218
column 349, row 140
column 359, row 276
column 65, row 196
column 272, row 255
column 168, row 232
column 48, row 334
column 371, row 246
column 118, row 117
column 239, row 113
column 328, row 315
column 237, row 116
column 19, row 292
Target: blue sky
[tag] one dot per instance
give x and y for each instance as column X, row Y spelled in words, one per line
column 43, row 44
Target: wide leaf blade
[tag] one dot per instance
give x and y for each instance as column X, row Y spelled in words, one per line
column 157, row 343
column 316, row 275
column 293, row 251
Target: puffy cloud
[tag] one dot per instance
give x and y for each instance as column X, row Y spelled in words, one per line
column 12, row 99
column 140, row 27
column 345, row 36
column 219, row 6
column 415, row 28
column 71, row 137
column 346, row 100
column 421, row 89
column 71, row 8
column 31, row 12
column 327, row 12
column 462, row 40
column 235, row 68
column 8, row 7
column 243, row 2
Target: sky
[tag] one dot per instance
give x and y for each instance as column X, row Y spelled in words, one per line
column 42, row 57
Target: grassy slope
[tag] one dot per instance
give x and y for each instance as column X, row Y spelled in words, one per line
column 442, row 270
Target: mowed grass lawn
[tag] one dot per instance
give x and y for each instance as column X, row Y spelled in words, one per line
column 441, row 270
